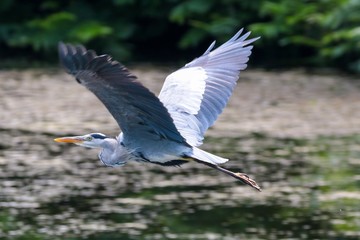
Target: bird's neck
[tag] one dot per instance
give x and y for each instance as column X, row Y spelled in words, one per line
column 113, row 153
column 109, row 144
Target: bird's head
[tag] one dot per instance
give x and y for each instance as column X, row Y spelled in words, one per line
column 92, row 140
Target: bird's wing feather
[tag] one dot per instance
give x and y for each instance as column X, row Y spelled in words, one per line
column 138, row 111
column 197, row 93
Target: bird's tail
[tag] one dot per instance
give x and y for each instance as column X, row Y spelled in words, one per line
column 207, row 157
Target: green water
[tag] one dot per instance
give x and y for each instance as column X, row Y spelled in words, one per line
column 310, row 191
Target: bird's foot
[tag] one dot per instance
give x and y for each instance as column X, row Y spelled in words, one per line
column 247, row 180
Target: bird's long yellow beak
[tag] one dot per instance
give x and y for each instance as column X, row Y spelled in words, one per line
column 68, row 140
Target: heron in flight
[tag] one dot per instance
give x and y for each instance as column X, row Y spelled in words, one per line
column 167, row 129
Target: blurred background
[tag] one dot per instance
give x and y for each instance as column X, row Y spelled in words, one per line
column 292, row 124
column 323, row 33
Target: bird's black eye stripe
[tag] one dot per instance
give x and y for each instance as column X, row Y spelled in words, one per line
column 98, row 136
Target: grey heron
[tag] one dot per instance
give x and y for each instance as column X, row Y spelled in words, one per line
column 167, row 129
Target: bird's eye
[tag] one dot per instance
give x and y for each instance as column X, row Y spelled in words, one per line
column 88, row 138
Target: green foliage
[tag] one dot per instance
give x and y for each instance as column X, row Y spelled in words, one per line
column 328, row 29
column 220, row 18
column 322, row 33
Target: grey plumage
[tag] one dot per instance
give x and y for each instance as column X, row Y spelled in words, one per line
column 167, row 129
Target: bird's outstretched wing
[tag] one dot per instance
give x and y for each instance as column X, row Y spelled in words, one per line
column 138, row 111
column 197, row 93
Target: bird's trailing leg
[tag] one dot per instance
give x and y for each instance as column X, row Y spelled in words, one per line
column 240, row 176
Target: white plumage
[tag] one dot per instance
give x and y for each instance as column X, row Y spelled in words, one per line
column 196, row 94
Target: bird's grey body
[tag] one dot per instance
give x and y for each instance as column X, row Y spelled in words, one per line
column 168, row 129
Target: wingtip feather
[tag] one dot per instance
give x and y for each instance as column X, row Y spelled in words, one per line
column 210, row 48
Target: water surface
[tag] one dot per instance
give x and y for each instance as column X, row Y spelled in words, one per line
column 296, row 134
column 55, row 191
